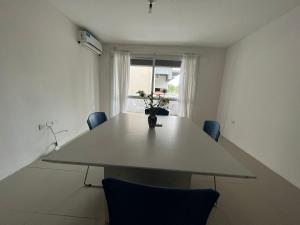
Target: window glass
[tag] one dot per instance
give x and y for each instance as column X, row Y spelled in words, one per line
column 166, row 81
column 140, row 79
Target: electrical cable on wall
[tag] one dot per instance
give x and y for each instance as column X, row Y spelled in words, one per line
column 55, row 143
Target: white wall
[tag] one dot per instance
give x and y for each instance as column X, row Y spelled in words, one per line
column 259, row 106
column 44, row 75
column 209, row 77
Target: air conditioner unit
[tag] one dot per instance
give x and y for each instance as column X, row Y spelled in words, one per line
column 88, row 40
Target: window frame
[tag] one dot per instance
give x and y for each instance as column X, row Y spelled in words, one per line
column 153, row 59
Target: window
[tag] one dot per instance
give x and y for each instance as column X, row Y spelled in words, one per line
column 167, row 79
column 140, row 79
column 157, row 75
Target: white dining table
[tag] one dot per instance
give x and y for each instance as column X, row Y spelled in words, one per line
column 165, row 156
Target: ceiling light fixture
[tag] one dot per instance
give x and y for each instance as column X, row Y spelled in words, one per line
column 150, row 3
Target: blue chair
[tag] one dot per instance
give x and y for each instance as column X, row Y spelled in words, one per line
column 94, row 120
column 160, row 112
column 136, row 204
column 212, row 128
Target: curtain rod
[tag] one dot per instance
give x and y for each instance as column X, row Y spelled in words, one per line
column 155, row 55
column 148, row 54
column 152, row 53
column 162, row 54
column 125, row 51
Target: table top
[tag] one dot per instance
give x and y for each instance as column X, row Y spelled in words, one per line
column 126, row 141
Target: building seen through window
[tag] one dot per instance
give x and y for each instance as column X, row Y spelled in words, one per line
column 163, row 81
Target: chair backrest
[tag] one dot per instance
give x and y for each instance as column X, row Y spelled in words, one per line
column 159, row 112
column 95, row 119
column 136, row 204
column 212, row 128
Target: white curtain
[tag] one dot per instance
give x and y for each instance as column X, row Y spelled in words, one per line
column 120, row 81
column 187, row 85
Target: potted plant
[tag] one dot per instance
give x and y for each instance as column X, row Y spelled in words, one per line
column 153, row 104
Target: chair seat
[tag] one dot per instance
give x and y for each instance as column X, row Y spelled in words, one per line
column 212, row 128
column 95, row 119
column 136, row 204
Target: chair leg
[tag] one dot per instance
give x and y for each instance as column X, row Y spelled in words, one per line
column 215, row 183
column 85, row 178
column 215, row 187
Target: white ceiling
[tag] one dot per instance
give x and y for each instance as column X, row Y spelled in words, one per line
column 173, row 22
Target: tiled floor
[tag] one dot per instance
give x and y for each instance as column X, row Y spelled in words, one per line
column 53, row 194
column 49, row 194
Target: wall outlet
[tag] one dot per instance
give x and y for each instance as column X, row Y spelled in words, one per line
column 49, row 123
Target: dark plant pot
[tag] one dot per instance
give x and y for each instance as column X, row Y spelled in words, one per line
column 152, row 119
